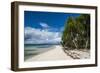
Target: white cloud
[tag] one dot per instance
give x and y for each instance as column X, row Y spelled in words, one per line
column 38, row 36
column 44, row 25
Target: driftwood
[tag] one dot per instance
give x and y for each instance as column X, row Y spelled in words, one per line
column 73, row 54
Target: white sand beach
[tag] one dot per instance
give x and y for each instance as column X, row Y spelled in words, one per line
column 56, row 53
column 78, row 54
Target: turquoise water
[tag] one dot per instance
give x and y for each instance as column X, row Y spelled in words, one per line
column 36, row 46
column 35, row 49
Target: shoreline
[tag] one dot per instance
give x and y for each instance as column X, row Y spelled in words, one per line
column 55, row 53
column 58, row 53
column 35, row 52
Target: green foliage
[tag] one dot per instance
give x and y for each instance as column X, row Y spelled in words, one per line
column 76, row 33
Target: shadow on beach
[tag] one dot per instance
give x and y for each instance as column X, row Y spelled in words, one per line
column 78, row 53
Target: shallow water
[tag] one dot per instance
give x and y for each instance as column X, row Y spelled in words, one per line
column 35, row 49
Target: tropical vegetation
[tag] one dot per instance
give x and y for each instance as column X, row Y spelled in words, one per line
column 76, row 34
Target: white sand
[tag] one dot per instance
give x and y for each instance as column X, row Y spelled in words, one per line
column 56, row 53
column 79, row 54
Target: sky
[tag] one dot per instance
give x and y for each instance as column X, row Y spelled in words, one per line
column 44, row 27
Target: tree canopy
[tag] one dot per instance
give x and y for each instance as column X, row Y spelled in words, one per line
column 76, row 34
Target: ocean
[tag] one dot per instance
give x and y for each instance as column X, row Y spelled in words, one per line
column 31, row 50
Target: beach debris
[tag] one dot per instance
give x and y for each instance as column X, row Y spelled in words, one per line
column 78, row 54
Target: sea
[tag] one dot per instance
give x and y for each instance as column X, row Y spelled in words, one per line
column 31, row 50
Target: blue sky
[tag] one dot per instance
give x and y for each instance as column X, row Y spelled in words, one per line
column 44, row 27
